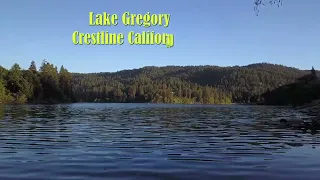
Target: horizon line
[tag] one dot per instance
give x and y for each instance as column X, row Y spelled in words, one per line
column 163, row 66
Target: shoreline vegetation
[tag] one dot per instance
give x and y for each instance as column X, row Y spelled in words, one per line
column 47, row 85
column 254, row 84
column 260, row 83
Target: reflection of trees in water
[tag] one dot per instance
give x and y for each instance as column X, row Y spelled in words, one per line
column 1, row 111
column 37, row 112
column 36, row 127
column 29, row 111
column 35, row 118
column 17, row 112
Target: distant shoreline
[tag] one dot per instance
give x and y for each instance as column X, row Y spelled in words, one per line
column 79, row 102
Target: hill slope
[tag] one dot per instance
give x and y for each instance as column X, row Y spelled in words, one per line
column 203, row 84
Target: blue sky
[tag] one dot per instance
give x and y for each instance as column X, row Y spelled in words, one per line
column 207, row 32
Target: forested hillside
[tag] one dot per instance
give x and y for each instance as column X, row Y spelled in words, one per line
column 170, row 84
column 195, row 84
column 305, row 90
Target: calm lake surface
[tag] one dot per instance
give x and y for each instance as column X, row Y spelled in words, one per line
column 150, row 141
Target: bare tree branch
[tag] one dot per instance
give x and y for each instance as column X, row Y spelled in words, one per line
column 259, row 3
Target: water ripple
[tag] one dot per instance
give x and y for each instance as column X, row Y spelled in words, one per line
column 154, row 141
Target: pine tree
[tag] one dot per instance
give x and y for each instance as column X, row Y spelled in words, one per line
column 33, row 66
column 313, row 72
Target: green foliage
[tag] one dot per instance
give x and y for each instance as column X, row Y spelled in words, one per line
column 20, row 86
column 4, row 96
column 183, row 100
column 3, row 72
column 65, row 83
column 20, row 99
column 170, row 84
column 2, row 91
column 14, row 79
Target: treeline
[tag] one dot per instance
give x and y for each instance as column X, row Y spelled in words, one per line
column 46, row 85
column 90, row 87
column 304, row 90
column 192, row 84
column 170, row 84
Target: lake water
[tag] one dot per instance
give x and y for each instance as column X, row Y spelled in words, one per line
column 150, row 141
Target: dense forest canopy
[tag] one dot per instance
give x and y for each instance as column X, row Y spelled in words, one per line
column 44, row 85
column 304, row 90
column 169, row 84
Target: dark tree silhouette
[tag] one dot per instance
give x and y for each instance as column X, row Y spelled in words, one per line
column 313, row 72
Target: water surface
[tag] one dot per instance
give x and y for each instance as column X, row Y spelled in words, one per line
column 149, row 141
